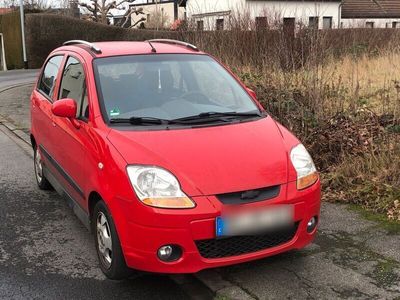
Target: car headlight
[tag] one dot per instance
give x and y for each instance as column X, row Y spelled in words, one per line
column 307, row 174
column 158, row 188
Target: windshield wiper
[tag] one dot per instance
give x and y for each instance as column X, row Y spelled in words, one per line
column 139, row 121
column 196, row 119
column 216, row 116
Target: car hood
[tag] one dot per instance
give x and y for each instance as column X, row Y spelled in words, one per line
column 211, row 160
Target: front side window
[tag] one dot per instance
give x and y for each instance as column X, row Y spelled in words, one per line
column 49, row 75
column 73, row 86
column 168, row 87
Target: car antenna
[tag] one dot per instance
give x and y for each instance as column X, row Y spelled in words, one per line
column 152, row 47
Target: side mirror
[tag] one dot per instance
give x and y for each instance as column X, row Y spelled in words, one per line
column 252, row 93
column 65, row 108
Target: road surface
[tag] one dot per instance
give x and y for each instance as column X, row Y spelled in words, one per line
column 16, row 77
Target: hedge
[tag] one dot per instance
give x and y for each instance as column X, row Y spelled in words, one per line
column 46, row 32
column 236, row 47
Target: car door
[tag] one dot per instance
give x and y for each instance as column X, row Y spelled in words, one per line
column 71, row 135
column 42, row 100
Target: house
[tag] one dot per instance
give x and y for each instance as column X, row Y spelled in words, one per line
column 5, row 10
column 370, row 14
column 217, row 15
column 157, row 14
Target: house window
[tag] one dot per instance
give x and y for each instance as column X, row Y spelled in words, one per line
column 396, row 25
column 313, row 22
column 220, row 24
column 200, row 25
column 327, row 23
column 289, row 25
column 261, row 23
column 369, row 24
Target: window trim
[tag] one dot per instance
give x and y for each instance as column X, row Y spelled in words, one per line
column 48, row 98
column 67, row 56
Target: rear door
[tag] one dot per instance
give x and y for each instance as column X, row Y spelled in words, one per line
column 42, row 100
column 71, row 136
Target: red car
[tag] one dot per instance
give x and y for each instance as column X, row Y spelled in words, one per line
column 168, row 158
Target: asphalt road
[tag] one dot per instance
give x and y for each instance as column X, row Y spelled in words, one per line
column 45, row 252
column 16, row 77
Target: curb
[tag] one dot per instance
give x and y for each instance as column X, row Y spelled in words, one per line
column 16, row 86
column 221, row 287
column 9, row 124
column 16, row 131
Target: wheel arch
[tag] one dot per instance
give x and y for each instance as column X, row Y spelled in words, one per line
column 33, row 141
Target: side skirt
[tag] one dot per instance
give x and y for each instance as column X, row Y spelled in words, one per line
column 78, row 210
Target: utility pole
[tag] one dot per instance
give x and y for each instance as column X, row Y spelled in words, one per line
column 157, row 15
column 21, row 10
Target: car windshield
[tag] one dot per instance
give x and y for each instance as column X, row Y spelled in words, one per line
column 168, row 87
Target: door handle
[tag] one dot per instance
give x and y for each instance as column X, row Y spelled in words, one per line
column 54, row 124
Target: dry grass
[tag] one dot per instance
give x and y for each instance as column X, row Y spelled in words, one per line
column 347, row 111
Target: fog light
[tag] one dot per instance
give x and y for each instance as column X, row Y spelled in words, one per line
column 169, row 253
column 312, row 224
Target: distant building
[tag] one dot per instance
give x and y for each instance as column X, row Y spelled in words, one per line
column 216, row 15
column 370, row 14
column 5, row 10
column 158, row 13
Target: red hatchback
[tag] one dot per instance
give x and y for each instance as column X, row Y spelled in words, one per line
column 168, row 158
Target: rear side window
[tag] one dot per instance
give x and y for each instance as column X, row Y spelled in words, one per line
column 73, row 86
column 49, row 76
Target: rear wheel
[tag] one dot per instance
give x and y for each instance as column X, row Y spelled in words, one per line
column 41, row 180
column 108, row 247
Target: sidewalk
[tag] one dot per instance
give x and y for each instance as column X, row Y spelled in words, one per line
column 14, row 106
column 351, row 257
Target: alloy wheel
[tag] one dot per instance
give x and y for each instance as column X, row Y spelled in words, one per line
column 38, row 166
column 104, row 239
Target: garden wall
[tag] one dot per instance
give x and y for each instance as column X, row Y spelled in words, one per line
column 10, row 27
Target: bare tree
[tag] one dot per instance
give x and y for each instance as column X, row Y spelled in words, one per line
column 36, row 4
column 100, row 10
column 127, row 16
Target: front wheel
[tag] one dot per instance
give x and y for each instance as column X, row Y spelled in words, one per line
column 108, row 247
column 41, row 180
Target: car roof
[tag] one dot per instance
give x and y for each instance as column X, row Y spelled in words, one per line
column 130, row 48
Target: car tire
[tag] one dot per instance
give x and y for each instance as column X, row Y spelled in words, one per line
column 41, row 180
column 108, row 246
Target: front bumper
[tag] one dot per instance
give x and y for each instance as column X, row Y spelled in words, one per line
column 140, row 250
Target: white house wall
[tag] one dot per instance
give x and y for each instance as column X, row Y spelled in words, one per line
column 272, row 9
column 378, row 23
column 167, row 10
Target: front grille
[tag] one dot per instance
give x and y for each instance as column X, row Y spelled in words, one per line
column 237, row 245
column 250, row 196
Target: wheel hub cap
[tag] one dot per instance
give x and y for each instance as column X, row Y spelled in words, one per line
column 104, row 239
column 38, row 166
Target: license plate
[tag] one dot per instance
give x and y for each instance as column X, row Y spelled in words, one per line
column 254, row 222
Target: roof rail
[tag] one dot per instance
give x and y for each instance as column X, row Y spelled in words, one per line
column 81, row 42
column 175, row 42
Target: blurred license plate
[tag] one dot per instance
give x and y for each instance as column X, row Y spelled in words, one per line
column 254, row 222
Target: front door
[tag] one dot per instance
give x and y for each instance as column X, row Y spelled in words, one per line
column 42, row 100
column 70, row 136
